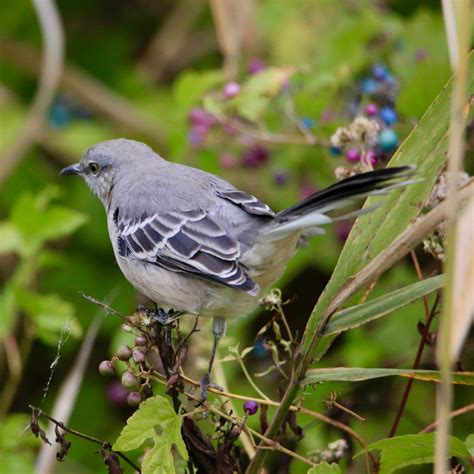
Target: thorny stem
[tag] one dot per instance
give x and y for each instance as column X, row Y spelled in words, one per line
column 419, row 353
column 40, row 413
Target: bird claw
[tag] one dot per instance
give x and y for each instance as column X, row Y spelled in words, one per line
column 205, row 383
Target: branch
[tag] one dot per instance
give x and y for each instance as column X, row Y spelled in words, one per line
column 38, row 413
column 51, row 68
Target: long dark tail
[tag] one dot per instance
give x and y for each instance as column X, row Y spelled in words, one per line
column 313, row 210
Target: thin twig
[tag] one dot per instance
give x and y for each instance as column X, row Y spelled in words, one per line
column 51, row 68
column 41, row 414
column 105, row 306
column 419, row 353
column 249, row 378
column 453, row 414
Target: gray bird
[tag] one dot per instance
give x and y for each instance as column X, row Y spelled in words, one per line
column 192, row 242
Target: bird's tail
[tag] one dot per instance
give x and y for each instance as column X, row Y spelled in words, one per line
column 315, row 210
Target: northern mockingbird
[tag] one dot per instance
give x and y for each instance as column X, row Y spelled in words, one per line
column 192, row 242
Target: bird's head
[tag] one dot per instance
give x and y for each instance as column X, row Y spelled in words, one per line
column 104, row 162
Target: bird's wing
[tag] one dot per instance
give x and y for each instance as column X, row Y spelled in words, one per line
column 246, row 201
column 186, row 241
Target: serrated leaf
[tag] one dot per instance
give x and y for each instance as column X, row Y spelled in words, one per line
column 425, row 147
column 154, row 413
column 358, row 315
column 51, row 315
column 355, row 374
column 402, row 451
column 325, row 468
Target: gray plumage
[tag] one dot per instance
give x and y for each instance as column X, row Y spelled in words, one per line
column 190, row 240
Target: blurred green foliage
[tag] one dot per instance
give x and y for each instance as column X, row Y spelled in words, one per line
column 53, row 238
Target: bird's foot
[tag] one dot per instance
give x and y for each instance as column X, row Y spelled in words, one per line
column 205, row 384
column 163, row 317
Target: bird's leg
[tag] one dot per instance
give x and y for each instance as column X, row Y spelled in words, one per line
column 218, row 331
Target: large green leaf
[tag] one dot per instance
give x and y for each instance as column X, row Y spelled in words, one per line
column 358, row 315
column 425, row 147
column 154, row 413
column 402, row 451
column 355, row 374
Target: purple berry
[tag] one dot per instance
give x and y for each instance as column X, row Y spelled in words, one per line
column 280, row 178
column 107, row 368
column 124, row 352
column 134, row 399
column 421, row 55
column 371, row 157
column 306, row 190
column 200, row 117
column 130, row 380
column 195, row 139
column 117, row 393
column 388, row 115
column 231, row 89
column 371, row 110
column 138, row 356
column 256, row 65
column 250, row 407
column 353, row 154
column 255, row 156
column 140, row 340
column 228, row 161
column 326, row 116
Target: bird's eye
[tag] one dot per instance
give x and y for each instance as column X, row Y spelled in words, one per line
column 94, row 168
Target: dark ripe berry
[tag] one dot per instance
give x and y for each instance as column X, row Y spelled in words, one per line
column 380, row 72
column 134, row 399
column 124, row 352
column 255, row 156
column 140, row 340
column 138, row 356
column 130, row 380
column 107, row 368
column 388, row 115
column 353, row 154
column 371, row 110
column 231, row 89
column 388, row 140
column 117, row 393
column 198, row 117
column 250, row 407
column 280, row 178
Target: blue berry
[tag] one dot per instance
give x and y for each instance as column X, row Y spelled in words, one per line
column 250, row 407
column 59, row 114
column 380, row 72
column 308, row 122
column 335, row 150
column 388, row 140
column 280, row 178
column 369, row 86
column 388, row 115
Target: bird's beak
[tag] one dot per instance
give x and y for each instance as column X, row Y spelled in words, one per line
column 73, row 169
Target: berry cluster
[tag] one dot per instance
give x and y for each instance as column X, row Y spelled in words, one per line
column 376, row 97
column 131, row 381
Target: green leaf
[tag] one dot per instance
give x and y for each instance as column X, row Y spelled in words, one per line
column 425, row 147
column 257, row 91
column 402, row 451
column 470, row 444
column 190, row 87
column 10, row 238
column 354, row 374
column 51, row 314
column 356, row 316
column 154, row 413
column 37, row 221
column 12, row 433
column 325, row 468
column 7, row 309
